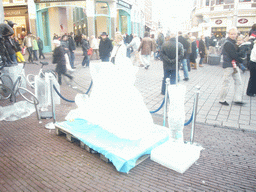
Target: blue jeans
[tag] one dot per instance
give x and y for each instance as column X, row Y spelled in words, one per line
column 185, row 67
column 169, row 74
column 72, row 59
column 13, row 58
column 35, row 55
column 86, row 61
column 201, row 60
column 188, row 61
column 104, row 59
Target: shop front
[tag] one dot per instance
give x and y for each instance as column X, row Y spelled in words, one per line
column 60, row 18
column 19, row 15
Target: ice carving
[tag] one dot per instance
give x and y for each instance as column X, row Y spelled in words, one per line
column 16, row 111
column 115, row 104
column 176, row 113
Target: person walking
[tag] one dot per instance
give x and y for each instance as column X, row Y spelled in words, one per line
column 119, row 50
column 193, row 54
column 135, row 54
column 27, row 43
column 35, row 48
column 59, row 58
column 85, row 46
column 41, row 47
column 202, row 50
column 95, row 48
column 230, row 56
column 160, row 41
column 168, row 54
column 72, row 48
column 146, row 47
column 186, row 45
column 105, row 47
column 189, row 50
column 251, row 88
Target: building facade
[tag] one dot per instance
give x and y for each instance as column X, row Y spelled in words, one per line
column 90, row 17
column 217, row 16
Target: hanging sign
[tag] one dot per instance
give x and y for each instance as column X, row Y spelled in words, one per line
column 242, row 21
column 218, row 22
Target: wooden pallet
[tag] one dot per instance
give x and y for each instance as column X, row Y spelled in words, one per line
column 59, row 131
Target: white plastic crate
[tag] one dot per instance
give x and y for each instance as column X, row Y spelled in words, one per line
column 176, row 155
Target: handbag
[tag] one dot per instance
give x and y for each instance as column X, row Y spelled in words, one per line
column 23, row 51
column 113, row 59
column 89, row 52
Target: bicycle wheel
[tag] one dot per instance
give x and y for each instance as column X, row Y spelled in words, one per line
column 6, row 80
column 28, row 95
column 1, row 64
column 6, row 93
column 31, row 80
column 16, row 85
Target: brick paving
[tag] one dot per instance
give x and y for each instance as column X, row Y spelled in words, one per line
column 33, row 158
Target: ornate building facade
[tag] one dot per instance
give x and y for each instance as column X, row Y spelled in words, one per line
column 216, row 16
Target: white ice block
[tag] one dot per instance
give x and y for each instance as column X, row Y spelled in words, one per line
column 175, row 155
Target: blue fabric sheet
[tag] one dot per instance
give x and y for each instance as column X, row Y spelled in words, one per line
column 122, row 153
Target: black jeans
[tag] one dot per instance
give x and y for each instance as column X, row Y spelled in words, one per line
column 41, row 54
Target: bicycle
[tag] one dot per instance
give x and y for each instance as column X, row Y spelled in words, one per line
column 10, row 89
column 31, row 77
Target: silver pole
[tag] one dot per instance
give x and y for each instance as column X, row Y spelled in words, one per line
column 166, row 98
column 177, row 59
column 194, row 115
column 52, row 102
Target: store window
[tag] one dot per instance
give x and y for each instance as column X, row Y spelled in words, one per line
column 212, row 2
column 207, row 2
column 219, row 2
column 102, row 8
column 45, row 28
column 102, row 18
column 244, row 0
column 228, row 1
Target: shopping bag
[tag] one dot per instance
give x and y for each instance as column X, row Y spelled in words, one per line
column 89, row 52
column 19, row 57
column 23, row 50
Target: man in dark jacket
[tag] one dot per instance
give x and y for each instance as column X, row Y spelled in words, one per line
column 59, row 58
column 72, row 47
column 105, row 47
column 41, row 47
column 168, row 54
column 186, row 45
column 230, row 55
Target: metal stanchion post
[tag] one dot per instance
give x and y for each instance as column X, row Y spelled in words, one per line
column 194, row 115
column 166, row 99
column 51, row 125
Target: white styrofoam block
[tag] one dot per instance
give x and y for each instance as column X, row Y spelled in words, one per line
column 175, row 155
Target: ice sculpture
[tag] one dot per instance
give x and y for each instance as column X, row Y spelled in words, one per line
column 115, row 104
column 176, row 113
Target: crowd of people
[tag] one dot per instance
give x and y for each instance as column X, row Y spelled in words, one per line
column 238, row 53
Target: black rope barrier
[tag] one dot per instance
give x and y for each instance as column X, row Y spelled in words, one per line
column 62, row 96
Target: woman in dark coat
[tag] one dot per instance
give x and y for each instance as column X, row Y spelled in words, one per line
column 85, row 47
column 193, row 54
column 59, row 58
column 202, row 50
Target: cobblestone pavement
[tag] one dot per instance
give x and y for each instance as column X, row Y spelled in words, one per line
column 33, row 158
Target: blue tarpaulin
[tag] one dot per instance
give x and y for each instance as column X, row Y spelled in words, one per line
column 122, row 153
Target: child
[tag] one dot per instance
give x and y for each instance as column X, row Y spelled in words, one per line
column 243, row 48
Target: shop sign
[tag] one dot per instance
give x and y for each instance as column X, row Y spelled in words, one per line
column 218, row 22
column 242, row 21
